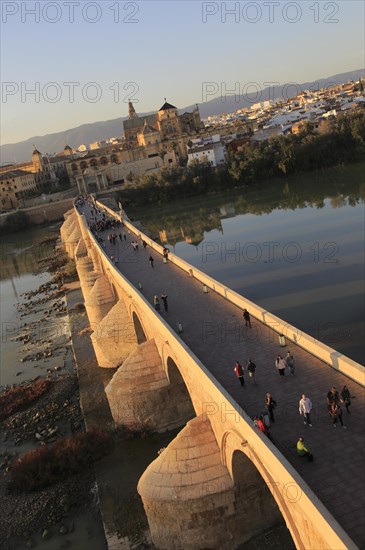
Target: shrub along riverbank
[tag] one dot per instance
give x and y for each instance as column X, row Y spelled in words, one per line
column 278, row 157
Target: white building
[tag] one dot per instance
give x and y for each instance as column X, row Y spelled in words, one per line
column 212, row 152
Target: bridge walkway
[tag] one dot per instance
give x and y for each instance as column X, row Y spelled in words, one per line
column 215, row 331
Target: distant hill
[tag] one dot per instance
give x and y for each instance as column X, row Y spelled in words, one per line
column 88, row 133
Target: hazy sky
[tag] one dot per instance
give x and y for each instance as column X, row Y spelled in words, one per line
column 67, row 63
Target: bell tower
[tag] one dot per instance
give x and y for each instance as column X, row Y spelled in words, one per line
column 131, row 112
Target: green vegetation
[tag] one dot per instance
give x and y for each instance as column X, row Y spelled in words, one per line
column 15, row 222
column 343, row 185
column 275, row 158
column 21, row 397
column 48, row 465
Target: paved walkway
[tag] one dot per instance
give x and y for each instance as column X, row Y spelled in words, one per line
column 214, row 330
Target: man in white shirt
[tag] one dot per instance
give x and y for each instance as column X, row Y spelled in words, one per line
column 305, row 407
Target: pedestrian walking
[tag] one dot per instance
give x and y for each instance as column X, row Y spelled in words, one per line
column 261, row 426
column 125, row 237
column 302, row 450
column 336, row 414
column 270, row 404
column 156, row 303
column 151, row 260
column 239, row 372
column 165, row 254
column 251, row 368
column 280, row 364
column 305, row 407
column 346, row 397
column 164, row 301
column 247, row 318
column 290, row 361
column 332, row 397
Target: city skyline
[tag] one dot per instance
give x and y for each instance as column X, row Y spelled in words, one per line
column 70, row 67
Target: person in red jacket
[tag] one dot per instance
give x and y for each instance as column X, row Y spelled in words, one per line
column 261, row 426
column 239, row 372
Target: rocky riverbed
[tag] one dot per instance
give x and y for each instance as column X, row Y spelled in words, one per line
column 40, row 513
column 47, row 518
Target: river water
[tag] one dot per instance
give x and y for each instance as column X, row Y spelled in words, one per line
column 295, row 247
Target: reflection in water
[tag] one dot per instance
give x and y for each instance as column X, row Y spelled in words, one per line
column 296, row 249
column 189, row 219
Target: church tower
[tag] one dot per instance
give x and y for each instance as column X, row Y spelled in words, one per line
column 37, row 161
column 131, row 112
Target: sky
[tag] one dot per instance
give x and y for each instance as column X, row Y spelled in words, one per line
column 67, row 63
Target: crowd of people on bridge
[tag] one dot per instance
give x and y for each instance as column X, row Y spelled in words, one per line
column 101, row 221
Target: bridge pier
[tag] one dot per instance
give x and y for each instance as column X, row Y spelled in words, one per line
column 188, row 494
column 191, row 501
column 68, row 225
column 114, row 338
column 81, row 250
column 140, row 394
column 70, row 233
column 100, row 300
column 87, row 275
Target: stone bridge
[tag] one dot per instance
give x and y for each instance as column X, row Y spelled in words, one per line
column 220, row 481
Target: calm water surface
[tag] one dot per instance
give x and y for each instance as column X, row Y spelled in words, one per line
column 295, row 247
column 21, row 254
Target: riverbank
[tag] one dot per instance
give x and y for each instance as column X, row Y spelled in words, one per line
column 65, row 514
column 42, row 214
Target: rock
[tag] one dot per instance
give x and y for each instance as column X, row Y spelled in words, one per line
column 46, row 534
column 65, row 505
column 63, row 529
column 18, row 373
column 38, row 436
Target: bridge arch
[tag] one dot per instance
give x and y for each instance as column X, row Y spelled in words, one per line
column 179, row 389
column 256, row 507
column 253, row 483
column 138, row 328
